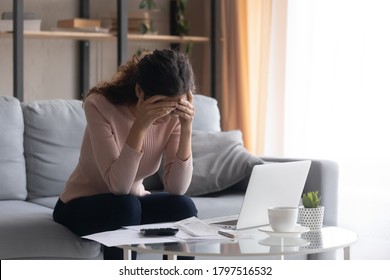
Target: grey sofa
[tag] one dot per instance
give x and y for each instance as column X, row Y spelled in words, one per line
column 39, row 147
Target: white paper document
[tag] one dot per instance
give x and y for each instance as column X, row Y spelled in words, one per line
column 198, row 228
column 126, row 237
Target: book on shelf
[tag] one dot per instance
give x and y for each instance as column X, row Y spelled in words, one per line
column 134, row 26
column 82, row 29
column 137, row 22
column 79, row 23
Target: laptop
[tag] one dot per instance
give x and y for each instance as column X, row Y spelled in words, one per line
column 270, row 185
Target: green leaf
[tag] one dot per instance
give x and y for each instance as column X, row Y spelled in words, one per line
column 182, row 5
column 142, row 4
column 147, row 4
column 311, row 200
column 143, row 28
column 189, row 48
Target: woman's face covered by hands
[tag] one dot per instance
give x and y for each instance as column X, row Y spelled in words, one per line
column 160, row 108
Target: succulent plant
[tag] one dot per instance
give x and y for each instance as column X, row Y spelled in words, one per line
column 311, row 200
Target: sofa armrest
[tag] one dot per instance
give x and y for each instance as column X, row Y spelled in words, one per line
column 323, row 177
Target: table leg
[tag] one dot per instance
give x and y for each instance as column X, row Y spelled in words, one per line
column 171, row 257
column 347, row 253
column 126, row 254
column 282, row 248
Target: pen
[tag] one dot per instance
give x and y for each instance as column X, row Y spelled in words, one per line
column 227, row 234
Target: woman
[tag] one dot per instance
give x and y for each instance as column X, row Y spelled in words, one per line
column 143, row 114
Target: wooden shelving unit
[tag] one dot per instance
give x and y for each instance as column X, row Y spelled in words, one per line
column 122, row 38
column 108, row 36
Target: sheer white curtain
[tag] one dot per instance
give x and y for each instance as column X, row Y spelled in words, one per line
column 259, row 27
column 337, row 99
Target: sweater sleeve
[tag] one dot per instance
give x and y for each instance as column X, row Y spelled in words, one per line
column 177, row 173
column 117, row 166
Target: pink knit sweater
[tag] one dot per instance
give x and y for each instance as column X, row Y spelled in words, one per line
column 108, row 164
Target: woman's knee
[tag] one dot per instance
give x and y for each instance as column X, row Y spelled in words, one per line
column 127, row 202
column 185, row 205
column 129, row 208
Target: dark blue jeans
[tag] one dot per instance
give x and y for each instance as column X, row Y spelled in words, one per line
column 104, row 212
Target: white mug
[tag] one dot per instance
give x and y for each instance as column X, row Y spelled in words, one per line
column 283, row 219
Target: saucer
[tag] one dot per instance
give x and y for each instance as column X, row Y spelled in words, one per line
column 284, row 241
column 296, row 232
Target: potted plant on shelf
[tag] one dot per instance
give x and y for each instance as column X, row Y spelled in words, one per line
column 147, row 25
column 179, row 24
column 311, row 214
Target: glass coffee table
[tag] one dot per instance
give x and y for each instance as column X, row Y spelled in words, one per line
column 254, row 243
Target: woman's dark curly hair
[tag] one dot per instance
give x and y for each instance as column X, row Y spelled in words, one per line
column 161, row 72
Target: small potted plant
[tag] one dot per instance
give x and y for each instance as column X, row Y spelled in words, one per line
column 147, row 25
column 311, row 214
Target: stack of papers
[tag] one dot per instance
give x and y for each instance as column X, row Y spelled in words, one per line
column 190, row 229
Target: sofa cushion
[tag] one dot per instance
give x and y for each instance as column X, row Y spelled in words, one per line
column 207, row 116
column 28, row 231
column 12, row 163
column 53, row 136
column 220, row 161
column 49, row 202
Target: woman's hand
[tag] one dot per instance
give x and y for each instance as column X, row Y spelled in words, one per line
column 147, row 112
column 152, row 109
column 185, row 111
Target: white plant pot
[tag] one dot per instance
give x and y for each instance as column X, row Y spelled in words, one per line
column 312, row 218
